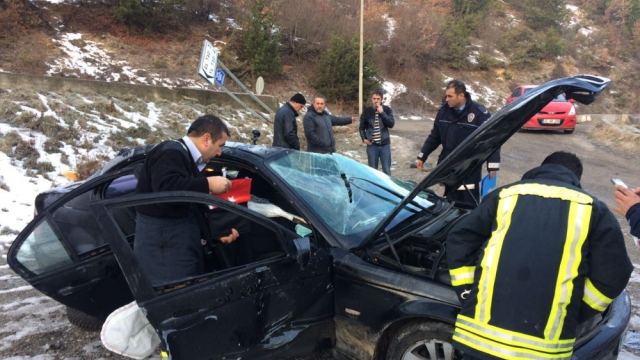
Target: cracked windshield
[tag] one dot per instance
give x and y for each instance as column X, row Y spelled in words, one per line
column 351, row 197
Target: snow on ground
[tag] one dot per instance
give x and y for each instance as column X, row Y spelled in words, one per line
column 392, row 91
column 391, row 26
column 576, row 15
column 86, row 57
column 586, row 31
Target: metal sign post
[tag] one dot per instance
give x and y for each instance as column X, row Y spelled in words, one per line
column 207, row 70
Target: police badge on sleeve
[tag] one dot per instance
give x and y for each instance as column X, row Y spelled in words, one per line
column 471, row 116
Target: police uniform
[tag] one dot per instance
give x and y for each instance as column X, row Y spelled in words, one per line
column 529, row 263
column 451, row 128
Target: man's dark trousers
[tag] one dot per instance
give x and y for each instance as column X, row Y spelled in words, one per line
column 168, row 249
column 382, row 152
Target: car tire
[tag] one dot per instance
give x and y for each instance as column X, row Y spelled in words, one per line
column 422, row 340
column 83, row 321
column 569, row 131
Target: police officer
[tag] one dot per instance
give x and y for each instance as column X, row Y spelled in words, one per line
column 531, row 262
column 458, row 117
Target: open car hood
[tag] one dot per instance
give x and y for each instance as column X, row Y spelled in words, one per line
column 489, row 137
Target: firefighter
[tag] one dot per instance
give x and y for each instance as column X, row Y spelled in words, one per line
column 458, row 117
column 531, row 262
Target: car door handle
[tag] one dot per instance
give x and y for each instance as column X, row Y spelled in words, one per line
column 66, row 291
column 188, row 316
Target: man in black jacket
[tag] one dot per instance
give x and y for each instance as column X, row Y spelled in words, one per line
column 318, row 129
column 375, row 123
column 285, row 128
column 531, row 262
column 458, row 118
column 167, row 242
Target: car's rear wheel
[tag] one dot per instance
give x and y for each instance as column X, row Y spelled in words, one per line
column 83, row 321
column 422, row 341
column 569, row 131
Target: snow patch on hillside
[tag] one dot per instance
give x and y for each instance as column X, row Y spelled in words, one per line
column 392, row 91
column 86, row 57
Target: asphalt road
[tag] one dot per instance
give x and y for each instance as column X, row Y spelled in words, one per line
column 55, row 338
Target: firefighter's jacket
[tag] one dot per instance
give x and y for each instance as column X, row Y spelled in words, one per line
column 532, row 255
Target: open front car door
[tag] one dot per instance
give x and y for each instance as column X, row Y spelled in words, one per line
column 268, row 292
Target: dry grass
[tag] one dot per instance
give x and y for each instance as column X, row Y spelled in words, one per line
column 613, row 137
column 86, row 166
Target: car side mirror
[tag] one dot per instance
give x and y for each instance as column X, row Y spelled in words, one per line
column 303, row 251
column 572, row 101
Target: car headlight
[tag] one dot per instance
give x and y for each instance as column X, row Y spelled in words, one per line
column 572, row 111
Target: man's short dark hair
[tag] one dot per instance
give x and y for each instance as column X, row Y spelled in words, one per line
column 458, row 86
column 566, row 159
column 316, row 96
column 208, row 124
column 378, row 92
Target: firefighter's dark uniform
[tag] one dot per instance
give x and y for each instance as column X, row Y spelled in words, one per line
column 449, row 130
column 534, row 255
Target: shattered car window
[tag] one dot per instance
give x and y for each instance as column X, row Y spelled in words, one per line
column 351, row 197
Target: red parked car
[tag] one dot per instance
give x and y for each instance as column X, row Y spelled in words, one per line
column 559, row 114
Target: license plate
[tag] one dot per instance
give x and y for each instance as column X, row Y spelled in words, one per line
column 551, row 121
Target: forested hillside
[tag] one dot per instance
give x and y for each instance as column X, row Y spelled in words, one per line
column 413, row 46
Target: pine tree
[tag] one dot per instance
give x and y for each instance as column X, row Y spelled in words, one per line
column 338, row 70
column 261, row 49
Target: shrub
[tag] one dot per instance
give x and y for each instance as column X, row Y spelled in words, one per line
column 542, row 14
column 138, row 132
column 338, row 70
column 157, row 15
column 52, row 146
column 7, row 230
column 24, row 150
column 465, row 7
column 260, row 49
column 553, row 44
column 119, row 140
column 86, row 166
column 486, row 62
column 455, row 39
column 3, row 185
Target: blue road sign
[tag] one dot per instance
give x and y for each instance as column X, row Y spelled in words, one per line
column 219, row 77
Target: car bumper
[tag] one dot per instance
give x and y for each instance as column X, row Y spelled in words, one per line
column 606, row 342
column 550, row 122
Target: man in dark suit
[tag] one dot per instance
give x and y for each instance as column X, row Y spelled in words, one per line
column 167, row 242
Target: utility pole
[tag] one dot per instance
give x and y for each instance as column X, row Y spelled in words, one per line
column 361, row 59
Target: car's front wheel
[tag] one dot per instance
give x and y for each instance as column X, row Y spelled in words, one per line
column 422, row 341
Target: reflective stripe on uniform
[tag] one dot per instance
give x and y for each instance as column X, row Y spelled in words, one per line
column 493, row 165
column 462, row 275
column 504, row 351
column 513, row 338
column 164, row 355
column 491, row 257
column 547, row 191
column 594, row 298
column 577, row 230
column 467, row 186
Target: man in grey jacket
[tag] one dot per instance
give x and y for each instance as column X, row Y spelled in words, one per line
column 318, row 129
column 285, row 128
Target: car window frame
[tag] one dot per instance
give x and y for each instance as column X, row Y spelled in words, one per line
column 139, row 284
column 47, row 214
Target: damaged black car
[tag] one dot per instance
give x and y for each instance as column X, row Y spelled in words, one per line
column 333, row 254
